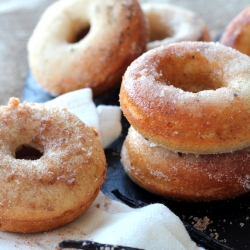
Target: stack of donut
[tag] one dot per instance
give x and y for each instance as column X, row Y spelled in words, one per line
column 237, row 33
column 188, row 105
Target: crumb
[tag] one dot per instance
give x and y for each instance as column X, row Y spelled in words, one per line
column 223, row 240
column 13, row 102
column 202, row 224
column 242, row 224
column 116, row 153
column 106, row 205
column 214, row 235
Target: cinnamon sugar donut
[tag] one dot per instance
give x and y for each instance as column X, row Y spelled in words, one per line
column 185, row 176
column 237, row 33
column 170, row 24
column 51, row 167
column 86, row 43
column 190, row 97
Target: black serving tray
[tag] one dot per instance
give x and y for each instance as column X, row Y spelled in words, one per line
column 229, row 219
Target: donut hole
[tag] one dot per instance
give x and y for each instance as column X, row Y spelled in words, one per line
column 26, row 152
column 78, row 34
column 192, row 73
column 159, row 28
column 159, row 34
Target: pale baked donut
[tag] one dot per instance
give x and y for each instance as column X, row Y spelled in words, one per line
column 191, row 97
column 237, row 33
column 116, row 32
column 58, row 181
column 170, row 24
column 185, row 176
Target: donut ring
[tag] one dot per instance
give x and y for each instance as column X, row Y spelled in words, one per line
column 61, row 62
column 190, row 97
column 170, row 24
column 185, row 176
column 237, row 33
column 40, row 194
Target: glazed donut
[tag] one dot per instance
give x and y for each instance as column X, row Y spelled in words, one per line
column 86, row 43
column 237, row 33
column 185, row 176
column 51, row 167
column 170, row 24
column 190, row 97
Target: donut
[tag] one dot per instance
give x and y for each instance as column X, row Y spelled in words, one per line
column 170, row 24
column 190, row 97
column 187, row 177
column 51, row 167
column 82, row 43
column 237, row 33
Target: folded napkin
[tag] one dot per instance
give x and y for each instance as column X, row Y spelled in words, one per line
column 107, row 221
column 106, row 119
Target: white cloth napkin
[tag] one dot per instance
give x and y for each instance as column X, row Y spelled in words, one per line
column 106, row 119
column 153, row 227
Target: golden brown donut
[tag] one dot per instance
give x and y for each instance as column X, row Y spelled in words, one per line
column 185, row 176
column 237, row 33
column 190, row 97
column 115, row 33
column 170, row 24
column 58, row 176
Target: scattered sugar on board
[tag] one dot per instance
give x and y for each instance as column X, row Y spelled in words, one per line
column 202, row 225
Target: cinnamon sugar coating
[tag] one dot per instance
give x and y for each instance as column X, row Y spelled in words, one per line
column 47, row 192
column 190, row 97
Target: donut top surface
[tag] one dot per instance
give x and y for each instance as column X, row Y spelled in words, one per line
column 190, row 97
